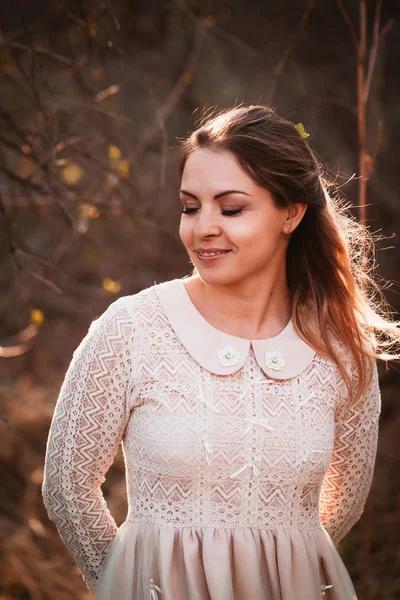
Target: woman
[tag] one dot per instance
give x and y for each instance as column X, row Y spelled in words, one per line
column 246, row 396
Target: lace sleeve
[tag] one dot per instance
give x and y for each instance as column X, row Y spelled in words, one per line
column 348, row 479
column 89, row 420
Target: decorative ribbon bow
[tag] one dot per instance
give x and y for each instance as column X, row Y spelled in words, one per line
column 200, row 396
column 208, row 448
column 153, row 592
column 326, row 587
column 256, row 470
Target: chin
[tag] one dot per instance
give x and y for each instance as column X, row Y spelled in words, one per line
column 218, row 278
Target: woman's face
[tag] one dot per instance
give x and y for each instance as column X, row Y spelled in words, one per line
column 251, row 237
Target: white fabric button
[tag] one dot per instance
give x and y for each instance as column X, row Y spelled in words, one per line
column 228, row 356
column 274, row 360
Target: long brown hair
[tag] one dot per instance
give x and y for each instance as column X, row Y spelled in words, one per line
column 330, row 257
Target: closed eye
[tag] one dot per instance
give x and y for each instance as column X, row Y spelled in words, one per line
column 226, row 213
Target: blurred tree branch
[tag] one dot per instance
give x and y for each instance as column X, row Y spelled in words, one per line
column 280, row 65
column 365, row 69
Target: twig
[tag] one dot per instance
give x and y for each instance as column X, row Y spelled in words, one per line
column 13, row 146
column 176, row 92
column 63, row 101
column 349, row 23
column 233, row 39
column 35, row 98
column 34, row 187
column 277, row 71
column 163, row 162
column 58, row 147
column 20, row 343
column 362, row 124
column 374, row 50
column 69, row 13
column 370, row 160
column 110, row 91
column 9, row 120
column 379, row 140
column 385, row 28
column 114, row 16
column 38, row 50
column 47, row 282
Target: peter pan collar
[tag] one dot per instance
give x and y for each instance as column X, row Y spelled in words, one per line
column 281, row 357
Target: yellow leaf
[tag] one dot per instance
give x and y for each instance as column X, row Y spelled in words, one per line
column 97, row 73
column 301, row 130
column 88, row 210
column 71, row 173
column 114, row 152
column 37, row 317
column 124, row 167
column 111, row 286
column 92, row 26
column 208, row 21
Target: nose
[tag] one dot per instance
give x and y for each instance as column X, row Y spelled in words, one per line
column 207, row 223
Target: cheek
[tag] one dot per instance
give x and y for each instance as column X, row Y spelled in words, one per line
column 184, row 232
column 260, row 236
column 251, row 231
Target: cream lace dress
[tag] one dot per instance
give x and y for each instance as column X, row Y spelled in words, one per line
column 246, row 462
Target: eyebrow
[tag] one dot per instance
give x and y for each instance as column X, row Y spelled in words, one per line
column 220, row 195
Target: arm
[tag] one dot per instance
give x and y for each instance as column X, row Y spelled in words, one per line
column 89, row 420
column 348, row 479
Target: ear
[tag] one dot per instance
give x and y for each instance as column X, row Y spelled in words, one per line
column 295, row 213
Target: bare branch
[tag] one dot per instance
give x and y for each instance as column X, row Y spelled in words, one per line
column 10, row 122
column 374, row 49
column 64, row 101
column 19, row 344
column 361, row 115
column 13, row 146
column 389, row 24
column 47, row 282
column 303, row 90
column 176, row 92
column 349, row 23
column 114, row 16
column 58, row 147
column 234, row 40
column 28, row 80
column 378, row 143
column 38, row 50
column 34, row 187
column 110, row 91
column 69, row 13
column 277, row 71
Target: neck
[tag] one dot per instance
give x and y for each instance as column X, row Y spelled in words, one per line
column 245, row 308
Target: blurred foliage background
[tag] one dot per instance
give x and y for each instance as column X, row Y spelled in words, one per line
column 93, row 97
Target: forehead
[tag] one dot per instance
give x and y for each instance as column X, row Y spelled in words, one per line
column 208, row 168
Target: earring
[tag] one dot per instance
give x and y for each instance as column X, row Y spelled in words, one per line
column 288, row 228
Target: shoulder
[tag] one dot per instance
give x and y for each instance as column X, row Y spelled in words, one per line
column 146, row 303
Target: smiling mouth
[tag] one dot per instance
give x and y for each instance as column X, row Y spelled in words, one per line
column 216, row 253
